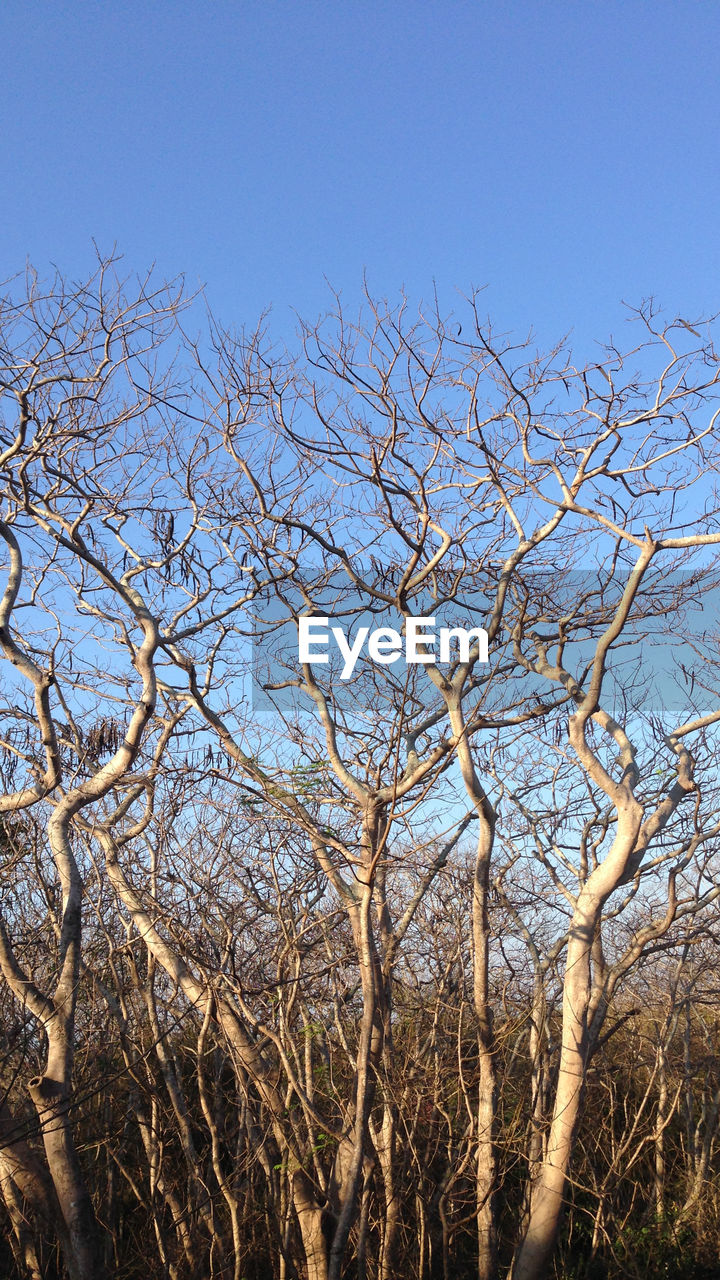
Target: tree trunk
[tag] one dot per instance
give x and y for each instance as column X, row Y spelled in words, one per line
column 660, row 1136
column 310, row 1219
column 86, row 1256
column 546, row 1200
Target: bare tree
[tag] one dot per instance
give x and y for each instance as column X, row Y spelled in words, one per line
column 263, row 869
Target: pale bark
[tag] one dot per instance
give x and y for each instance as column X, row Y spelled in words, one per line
column 23, row 1243
column 486, row 1153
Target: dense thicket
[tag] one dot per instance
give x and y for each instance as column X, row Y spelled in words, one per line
column 167, row 1128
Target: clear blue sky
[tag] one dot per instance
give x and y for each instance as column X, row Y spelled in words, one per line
column 563, row 154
